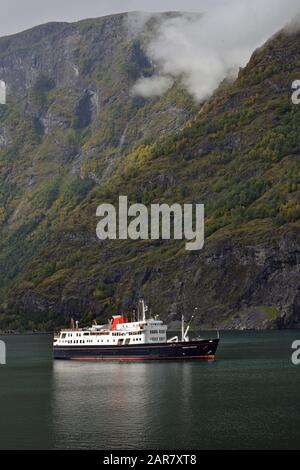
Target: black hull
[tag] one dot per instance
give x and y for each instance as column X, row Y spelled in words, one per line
column 197, row 350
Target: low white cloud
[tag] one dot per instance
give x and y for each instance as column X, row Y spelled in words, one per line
column 201, row 50
column 151, row 87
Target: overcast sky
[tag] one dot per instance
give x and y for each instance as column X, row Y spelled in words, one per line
column 17, row 15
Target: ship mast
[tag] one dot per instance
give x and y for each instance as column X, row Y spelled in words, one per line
column 143, row 310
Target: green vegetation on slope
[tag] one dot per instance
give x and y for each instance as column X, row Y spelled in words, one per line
column 239, row 155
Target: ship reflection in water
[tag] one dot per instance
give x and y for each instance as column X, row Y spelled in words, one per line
column 248, row 398
column 109, row 405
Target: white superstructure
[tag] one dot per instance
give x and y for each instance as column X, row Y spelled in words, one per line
column 119, row 332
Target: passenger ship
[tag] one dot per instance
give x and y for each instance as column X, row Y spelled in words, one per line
column 123, row 340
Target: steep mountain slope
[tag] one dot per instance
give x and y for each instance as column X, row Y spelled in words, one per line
column 74, row 137
column 70, row 116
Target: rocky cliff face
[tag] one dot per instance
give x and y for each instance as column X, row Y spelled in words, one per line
column 72, row 136
column 79, row 77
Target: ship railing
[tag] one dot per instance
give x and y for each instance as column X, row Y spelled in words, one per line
column 73, row 329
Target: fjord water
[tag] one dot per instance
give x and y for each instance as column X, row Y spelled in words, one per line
column 248, row 398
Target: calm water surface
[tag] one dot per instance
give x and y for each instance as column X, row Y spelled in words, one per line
column 248, row 398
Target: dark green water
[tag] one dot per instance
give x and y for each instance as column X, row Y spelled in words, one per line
column 248, row 398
